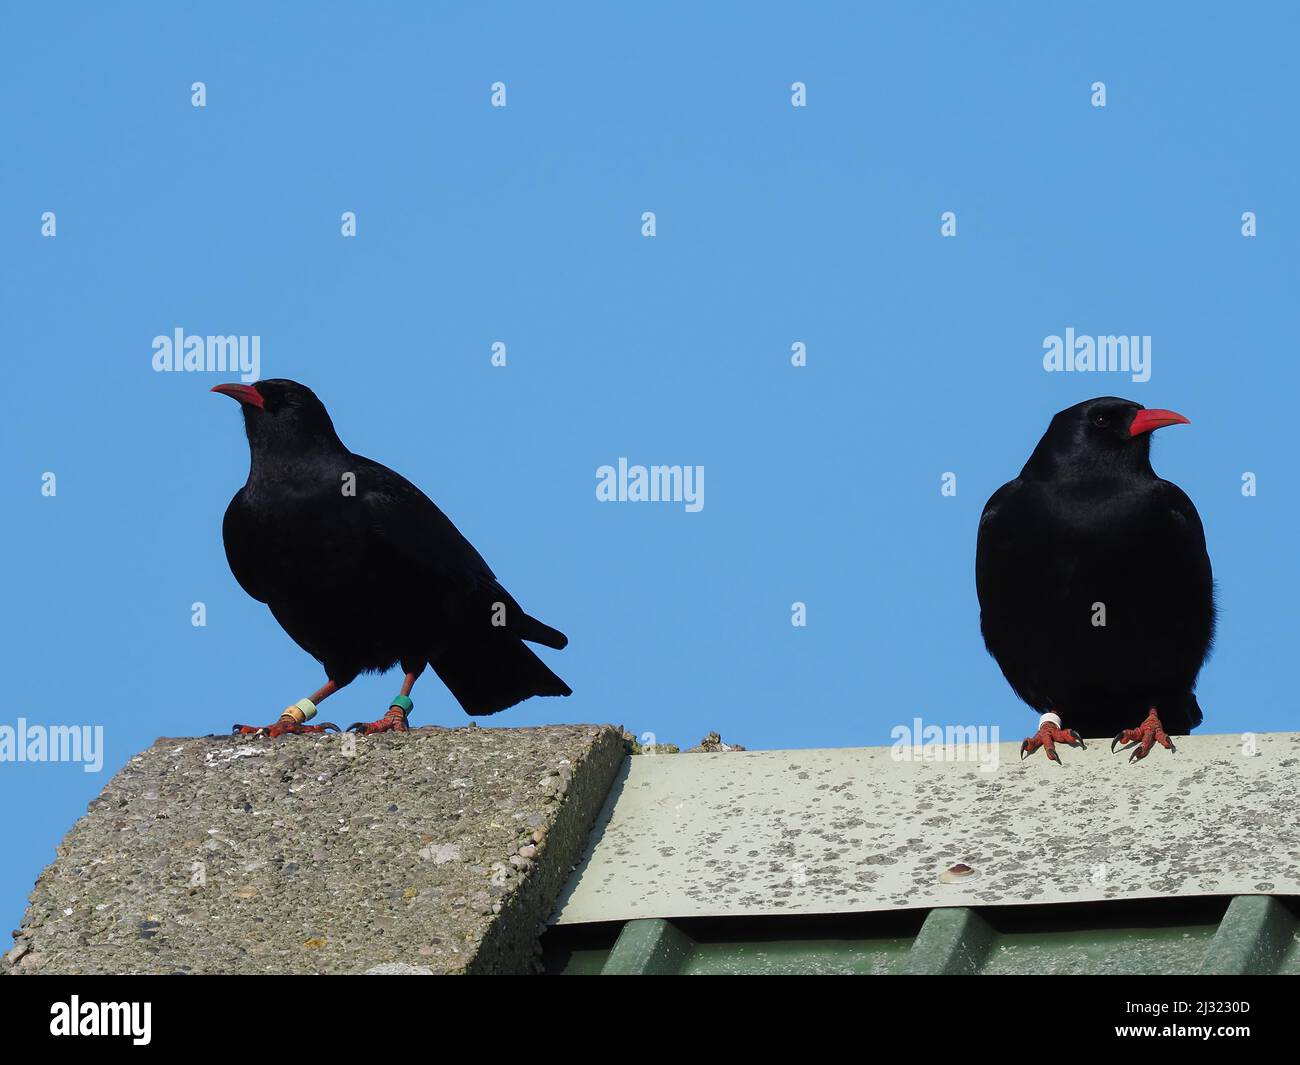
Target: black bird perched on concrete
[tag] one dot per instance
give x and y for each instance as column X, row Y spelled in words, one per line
column 363, row 571
column 1096, row 596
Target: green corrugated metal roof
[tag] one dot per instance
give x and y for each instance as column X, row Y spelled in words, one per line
column 1251, row 934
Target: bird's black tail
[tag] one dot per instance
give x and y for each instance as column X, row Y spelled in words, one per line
column 1178, row 713
column 535, row 631
column 1187, row 717
column 488, row 675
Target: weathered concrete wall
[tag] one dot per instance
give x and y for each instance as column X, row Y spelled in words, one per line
column 438, row 851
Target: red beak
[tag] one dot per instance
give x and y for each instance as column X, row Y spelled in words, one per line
column 1146, row 420
column 251, row 397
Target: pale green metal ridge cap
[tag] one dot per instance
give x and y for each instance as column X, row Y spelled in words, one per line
column 866, row 829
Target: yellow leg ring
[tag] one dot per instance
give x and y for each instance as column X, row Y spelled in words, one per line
column 302, row 711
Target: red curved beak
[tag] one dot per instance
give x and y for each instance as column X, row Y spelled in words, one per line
column 250, row 396
column 1146, row 420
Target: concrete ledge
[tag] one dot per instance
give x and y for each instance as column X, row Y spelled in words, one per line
column 434, row 851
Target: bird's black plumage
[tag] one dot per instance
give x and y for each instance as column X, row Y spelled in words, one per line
column 363, row 571
column 1088, row 527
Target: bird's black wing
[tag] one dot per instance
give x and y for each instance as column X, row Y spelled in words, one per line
column 403, row 521
column 1022, row 571
column 242, row 538
column 1013, row 539
column 1190, row 570
column 993, row 539
column 1185, row 516
column 401, row 518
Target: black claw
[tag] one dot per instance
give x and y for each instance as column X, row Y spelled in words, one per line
column 1079, row 740
column 1116, row 740
column 1172, row 748
column 1023, row 745
column 330, row 725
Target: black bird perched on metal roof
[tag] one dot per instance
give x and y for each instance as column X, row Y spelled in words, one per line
column 363, row 571
column 1096, row 596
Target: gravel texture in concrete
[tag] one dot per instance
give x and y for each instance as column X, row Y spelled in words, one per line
column 433, row 851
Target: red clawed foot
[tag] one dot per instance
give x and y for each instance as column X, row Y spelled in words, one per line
column 1047, row 737
column 1143, row 738
column 393, row 721
column 283, row 727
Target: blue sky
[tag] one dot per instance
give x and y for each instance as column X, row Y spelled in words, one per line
column 522, row 224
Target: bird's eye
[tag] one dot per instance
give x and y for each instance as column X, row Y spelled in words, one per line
column 1101, row 420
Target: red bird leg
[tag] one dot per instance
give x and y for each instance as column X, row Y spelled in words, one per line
column 395, row 719
column 295, row 718
column 1049, row 734
column 1143, row 738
